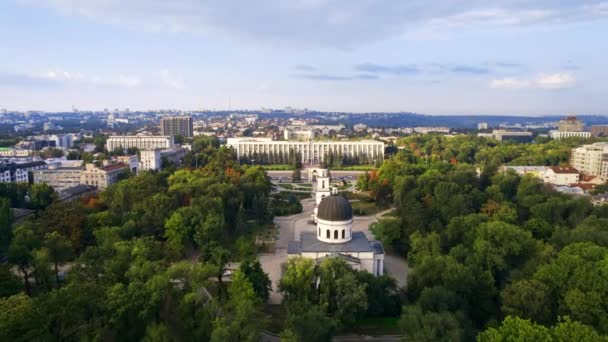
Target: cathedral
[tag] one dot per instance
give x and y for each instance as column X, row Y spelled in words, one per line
column 333, row 216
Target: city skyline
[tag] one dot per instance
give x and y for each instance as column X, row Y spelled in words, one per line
column 454, row 57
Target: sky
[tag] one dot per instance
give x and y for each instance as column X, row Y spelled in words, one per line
column 511, row 57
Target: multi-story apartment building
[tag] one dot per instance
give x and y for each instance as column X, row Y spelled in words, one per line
column 310, row 152
column 141, row 142
column 102, row 177
column 177, row 125
column 19, row 172
column 591, row 159
column 153, row 159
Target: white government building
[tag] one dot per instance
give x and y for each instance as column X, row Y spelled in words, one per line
column 334, row 236
column 141, row 142
column 311, row 151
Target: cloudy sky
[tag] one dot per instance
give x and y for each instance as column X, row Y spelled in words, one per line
column 436, row 57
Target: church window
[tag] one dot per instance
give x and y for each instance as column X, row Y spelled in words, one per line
column 323, row 185
column 336, row 234
column 328, row 234
column 343, row 233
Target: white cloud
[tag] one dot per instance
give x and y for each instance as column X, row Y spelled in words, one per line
column 342, row 23
column 59, row 76
column 557, row 80
column 510, row 83
column 172, row 81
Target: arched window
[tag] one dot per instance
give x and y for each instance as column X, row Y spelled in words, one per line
column 322, row 184
column 336, row 234
column 344, row 233
column 328, row 234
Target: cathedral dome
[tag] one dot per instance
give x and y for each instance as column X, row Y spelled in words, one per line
column 335, row 208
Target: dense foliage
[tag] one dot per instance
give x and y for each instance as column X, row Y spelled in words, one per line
column 484, row 245
column 146, row 260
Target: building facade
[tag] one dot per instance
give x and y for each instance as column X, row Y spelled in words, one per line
column 557, row 135
column 132, row 161
column 60, row 178
column 599, row 131
column 310, row 152
column 102, row 177
column 153, row 159
column 570, row 124
column 518, row 136
column 590, row 160
column 561, row 175
column 141, row 142
column 177, row 125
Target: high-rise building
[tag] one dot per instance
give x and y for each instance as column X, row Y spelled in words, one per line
column 177, row 125
column 570, row 124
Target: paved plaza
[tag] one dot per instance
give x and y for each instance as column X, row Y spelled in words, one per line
column 290, row 228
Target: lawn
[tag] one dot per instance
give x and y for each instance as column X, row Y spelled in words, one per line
column 361, row 208
column 375, row 326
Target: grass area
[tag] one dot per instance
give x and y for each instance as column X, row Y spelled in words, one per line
column 286, row 186
column 361, row 208
column 376, row 326
column 305, row 185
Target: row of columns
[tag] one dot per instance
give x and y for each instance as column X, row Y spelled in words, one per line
column 312, row 151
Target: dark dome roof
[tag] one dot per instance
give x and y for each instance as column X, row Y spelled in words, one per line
column 335, row 208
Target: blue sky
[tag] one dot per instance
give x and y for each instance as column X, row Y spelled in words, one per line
column 439, row 57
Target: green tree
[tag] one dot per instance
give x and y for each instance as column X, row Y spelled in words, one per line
column 24, row 242
column 20, row 320
column 41, row 196
column 242, row 319
column 516, row 329
column 307, row 322
column 6, row 220
column 59, row 250
column 417, row 325
column 257, row 277
column 10, row 284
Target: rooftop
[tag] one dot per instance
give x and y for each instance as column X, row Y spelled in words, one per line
column 114, row 167
column 563, row 169
column 309, row 243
